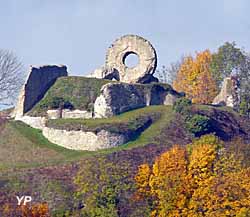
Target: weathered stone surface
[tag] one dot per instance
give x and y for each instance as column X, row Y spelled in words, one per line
column 80, row 140
column 54, row 114
column 39, row 80
column 132, row 44
column 67, row 113
column 117, row 98
column 105, row 73
column 35, row 122
column 169, row 99
column 228, row 95
column 148, row 79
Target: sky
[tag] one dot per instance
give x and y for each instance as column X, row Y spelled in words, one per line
column 77, row 33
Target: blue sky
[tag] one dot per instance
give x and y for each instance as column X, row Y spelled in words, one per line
column 77, row 33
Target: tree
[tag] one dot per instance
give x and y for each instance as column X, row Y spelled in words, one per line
column 244, row 79
column 102, row 187
column 34, row 210
column 228, row 60
column 232, row 61
column 168, row 74
column 11, row 77
column 203, row 179
column 195, row 78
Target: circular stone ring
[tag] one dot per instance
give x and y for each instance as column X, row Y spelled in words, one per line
column 122, row 48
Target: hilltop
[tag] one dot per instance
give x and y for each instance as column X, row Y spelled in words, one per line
column 46, row 171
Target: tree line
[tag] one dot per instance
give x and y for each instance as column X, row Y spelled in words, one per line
column 201, row 76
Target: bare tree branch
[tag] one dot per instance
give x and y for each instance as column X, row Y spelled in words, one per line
column 11, row 77
column 168, row 74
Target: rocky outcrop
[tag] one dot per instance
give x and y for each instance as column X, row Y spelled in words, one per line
column 117, row 98
column 81, row 140
column 39, row 80
column 228, row 95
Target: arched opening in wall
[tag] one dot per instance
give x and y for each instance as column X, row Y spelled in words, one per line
column 131, row 59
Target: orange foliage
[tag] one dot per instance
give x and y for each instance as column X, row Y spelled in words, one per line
column 36, row 210
column 195, row 78
column 205, row 182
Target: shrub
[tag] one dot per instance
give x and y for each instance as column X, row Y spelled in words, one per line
column 245, row 105
column 198, row 124
column 55, row 103
column 182, row 105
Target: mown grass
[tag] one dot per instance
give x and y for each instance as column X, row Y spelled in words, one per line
column 29, row 148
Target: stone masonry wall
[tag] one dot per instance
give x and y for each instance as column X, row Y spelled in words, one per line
column 81, row 140
column 39, row 80
column 116, row 98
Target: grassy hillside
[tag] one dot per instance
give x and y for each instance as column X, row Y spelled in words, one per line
column 23, row 146
column 31, row 165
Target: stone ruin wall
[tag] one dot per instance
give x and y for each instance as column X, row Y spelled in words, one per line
column 108, row 104
column 117, row 98
column 39, row 80
column 84, row 140
column 229, row 95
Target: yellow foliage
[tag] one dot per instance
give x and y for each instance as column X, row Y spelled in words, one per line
column 195, row 78
column 206, row 182
column 142, row 180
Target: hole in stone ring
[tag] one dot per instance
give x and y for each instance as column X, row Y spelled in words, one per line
column 131, row 59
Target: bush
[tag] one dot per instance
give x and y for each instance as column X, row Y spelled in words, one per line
column 245, row 105
column 198, row 124
column 55, row 103
column 182, row 105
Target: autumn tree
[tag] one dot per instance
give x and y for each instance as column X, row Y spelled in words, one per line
column 195, row 78
column 200, row 180
column 34, row 210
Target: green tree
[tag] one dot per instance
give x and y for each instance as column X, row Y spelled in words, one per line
column 227, row 60
column 102, row 186
column 230, row 60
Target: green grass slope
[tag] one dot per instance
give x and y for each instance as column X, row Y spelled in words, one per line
column 23, row 146
column 31, row 165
